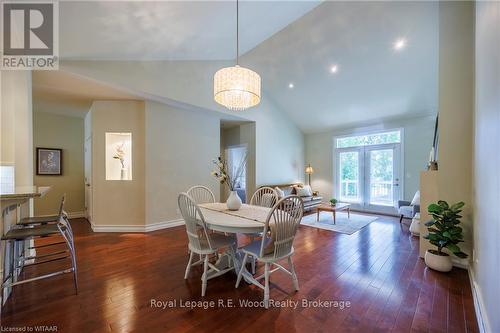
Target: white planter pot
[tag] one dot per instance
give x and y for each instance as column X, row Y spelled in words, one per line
column 438, row 263
column 233, row 201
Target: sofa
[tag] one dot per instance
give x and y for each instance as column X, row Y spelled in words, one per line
column 310, row 202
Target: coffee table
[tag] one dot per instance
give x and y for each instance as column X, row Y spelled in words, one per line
column 329, row 208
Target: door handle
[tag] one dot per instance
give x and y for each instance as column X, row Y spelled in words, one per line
column 88, row 185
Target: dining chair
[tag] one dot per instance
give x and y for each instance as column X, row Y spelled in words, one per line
column 264, row 197
column 201, row 194
column 201, row 242
column 282, row 224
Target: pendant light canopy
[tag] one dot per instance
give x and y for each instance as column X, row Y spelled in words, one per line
column 237, row 88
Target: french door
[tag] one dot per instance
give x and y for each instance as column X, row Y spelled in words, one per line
column 369, row 176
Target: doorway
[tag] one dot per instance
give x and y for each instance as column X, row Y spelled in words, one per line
column 236, row 157
column 368, row 171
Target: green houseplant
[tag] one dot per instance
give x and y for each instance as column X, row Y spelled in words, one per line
column 333, row 201
column 444, row 233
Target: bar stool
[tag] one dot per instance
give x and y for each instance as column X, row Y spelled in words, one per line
column 34, row 232
column 29, row 222
column 44, row 219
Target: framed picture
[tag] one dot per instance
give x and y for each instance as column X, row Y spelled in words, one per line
column 49, row 161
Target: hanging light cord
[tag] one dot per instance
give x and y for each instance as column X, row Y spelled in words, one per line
column 237, row 33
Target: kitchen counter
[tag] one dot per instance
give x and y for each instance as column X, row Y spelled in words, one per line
column 24, row 192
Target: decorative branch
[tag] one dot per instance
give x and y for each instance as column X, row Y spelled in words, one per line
column 226, row 176
column 120, row 154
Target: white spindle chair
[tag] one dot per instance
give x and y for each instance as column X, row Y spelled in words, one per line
column 201, row 241
column 201, row 194
column 283, row 221
column 265, row 197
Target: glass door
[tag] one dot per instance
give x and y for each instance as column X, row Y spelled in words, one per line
column 368, row 176
column 350, row 175
column 382, row 176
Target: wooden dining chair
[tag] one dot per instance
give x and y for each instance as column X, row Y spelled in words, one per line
column 264, row 197
column 201, row 242
column 283, row 222
column 201, row 194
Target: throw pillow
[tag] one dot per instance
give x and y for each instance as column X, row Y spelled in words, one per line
column 281, row 193
column 416, row 199
column 288, row 191
column 304, row 191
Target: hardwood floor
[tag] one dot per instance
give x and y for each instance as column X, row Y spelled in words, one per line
column 376, row 269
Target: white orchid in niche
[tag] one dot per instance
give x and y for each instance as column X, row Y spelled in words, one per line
column 120, row 154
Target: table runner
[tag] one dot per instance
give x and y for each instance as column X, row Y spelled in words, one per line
column 249, row 212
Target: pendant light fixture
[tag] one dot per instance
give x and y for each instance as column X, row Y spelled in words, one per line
column 237, row 88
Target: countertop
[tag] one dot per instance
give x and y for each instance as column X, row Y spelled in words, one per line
column 24, row 192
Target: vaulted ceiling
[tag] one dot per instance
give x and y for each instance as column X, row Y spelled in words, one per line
column 287, row 42
column 170, row 30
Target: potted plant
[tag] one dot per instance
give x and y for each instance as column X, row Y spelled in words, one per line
column 444, row 233
column 333, row 201
column 231, row 177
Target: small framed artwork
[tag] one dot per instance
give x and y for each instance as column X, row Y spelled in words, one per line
column 48, row 161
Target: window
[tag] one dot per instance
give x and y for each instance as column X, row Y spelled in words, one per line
column 7, row 178
column 369, row 139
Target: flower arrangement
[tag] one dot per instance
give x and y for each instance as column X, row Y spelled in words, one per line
column 227, row 175
column 333, row 201
column 120, row 154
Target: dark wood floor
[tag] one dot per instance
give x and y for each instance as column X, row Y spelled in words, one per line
column 377, row 270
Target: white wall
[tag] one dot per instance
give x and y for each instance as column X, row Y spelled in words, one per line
column 180, row 146
column 116, row 202
column 486, row 263
column 17, row 124
column 418, row 135
column 279, row 143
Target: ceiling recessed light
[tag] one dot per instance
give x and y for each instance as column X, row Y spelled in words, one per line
column 334, row 69
column 290, row 85
column 399, row 44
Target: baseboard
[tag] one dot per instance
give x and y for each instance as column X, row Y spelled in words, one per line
column 480, row 309
column 164, row 225
column 76, row 215
column 137, row 228
column 460, row 263
column 376, row 213
column 71, row 215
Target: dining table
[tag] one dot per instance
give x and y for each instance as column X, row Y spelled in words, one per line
column 248, row 219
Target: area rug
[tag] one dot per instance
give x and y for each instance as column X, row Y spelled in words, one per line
column 344, row 225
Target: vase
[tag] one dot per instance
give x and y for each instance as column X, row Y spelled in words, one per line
column 440, row 263
column 124, row 174
column 233, row 201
